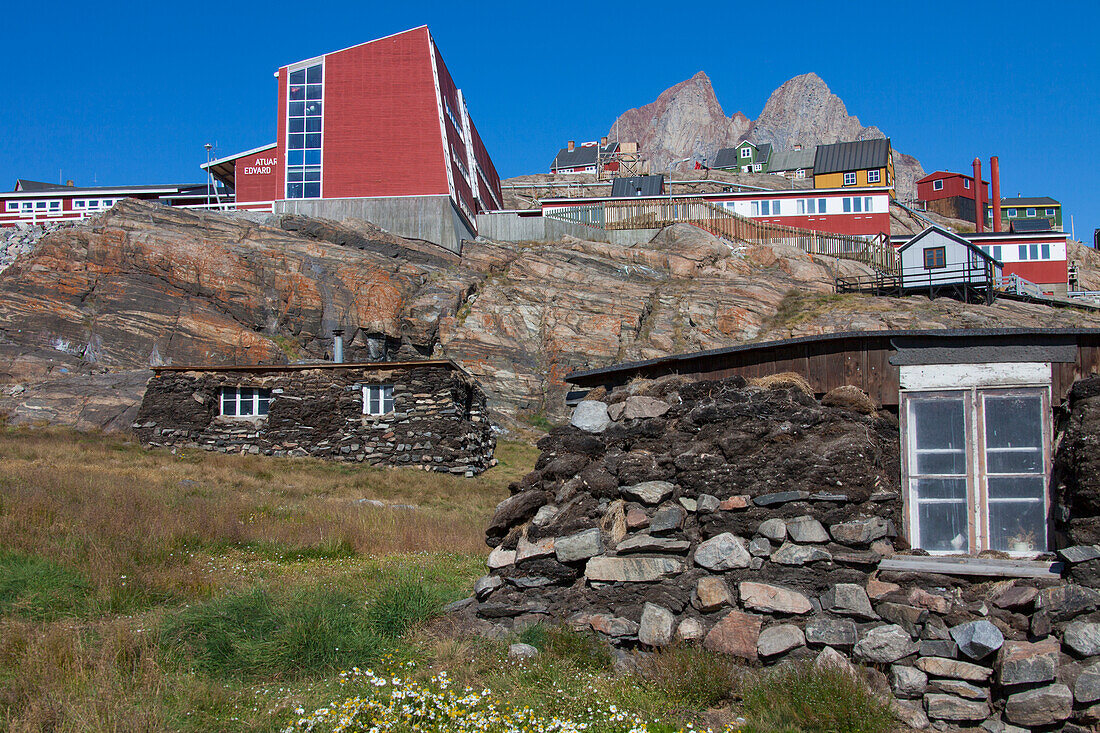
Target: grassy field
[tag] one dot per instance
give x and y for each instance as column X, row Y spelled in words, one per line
column 152, row 591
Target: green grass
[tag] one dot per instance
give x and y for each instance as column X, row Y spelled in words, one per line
column 35, row 588
column 691, row 676
column 809, row 699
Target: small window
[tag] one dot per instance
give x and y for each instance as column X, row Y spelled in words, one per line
column 757, row 167
column 800, row 173
column 28, row 206
column 937, row 185
column 1050, row 212
column 997, row 253
column 1031, row 212
column 1034, row 252
column 966, row 183
column 800, row 207
column 41, row 205
column 55, row 206
column 935, row 258
column 857, row 204
column 377, row 399
column 1023, row 251
column 867, row 204
column 775, row 208
column 1011, row 213
column 847, row 205
column 849, row 179
column 13, row 206
column 874, row 176
column 78, row 204
column 245, row 401
column 755, row 208
column 765, row 208
column 821, row 206
column 746, row 152
column 1045, row 251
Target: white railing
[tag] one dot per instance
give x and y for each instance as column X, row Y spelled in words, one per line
column 8, row 218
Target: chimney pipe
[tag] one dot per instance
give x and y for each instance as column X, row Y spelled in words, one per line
column 995, row 194
column 337, row 346
column 979, row 198
column 69, row 183
column 570, row 145
column 603, row 141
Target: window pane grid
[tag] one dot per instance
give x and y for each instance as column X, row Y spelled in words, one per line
column 245, row 401
column 304, row 133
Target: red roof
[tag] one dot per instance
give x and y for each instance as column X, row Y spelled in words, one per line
column 946, row 174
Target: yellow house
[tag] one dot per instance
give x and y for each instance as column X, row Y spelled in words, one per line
column 856, row 164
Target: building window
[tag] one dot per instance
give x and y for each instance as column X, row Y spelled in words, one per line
column 935, row 258
column 800, row 173
column 775, row 208
column 245, row 401
column 849, row 179
column 1011, row 213
column 765, row 208
column 754, row 208
column 1031, row 212
column 1023, row 252
column 1045, row 251
column 746, row 152
column 304, row 132
column 997, row 253
column 757, row 167
column 1050, row 212
column 821, row 206
column 874, row 176
column 800, row 207
column 377, row 399
column 847, row 205
column 966, row 183
column 976, row 469
column 937, row 185
column 13, row 206
column 1034, row 252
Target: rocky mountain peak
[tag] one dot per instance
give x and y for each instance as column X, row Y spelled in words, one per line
column 687, row 121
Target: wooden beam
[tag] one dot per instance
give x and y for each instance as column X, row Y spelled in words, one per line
column 982, row 566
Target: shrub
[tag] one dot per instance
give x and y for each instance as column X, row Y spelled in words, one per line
column 40, row 589
column 258, row 632
column 402, row 606
column 689, row 675
column 802, row 697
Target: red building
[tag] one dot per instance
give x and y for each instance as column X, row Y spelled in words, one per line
column 378, row 131
column 35, row 202
column 950, row 194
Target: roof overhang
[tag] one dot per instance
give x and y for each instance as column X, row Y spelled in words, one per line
column 225, row 169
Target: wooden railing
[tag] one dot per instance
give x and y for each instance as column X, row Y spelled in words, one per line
column 873, row 250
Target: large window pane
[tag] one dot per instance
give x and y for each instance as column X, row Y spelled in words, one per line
column 1017, row 526
column 1014, row 434
column 313, row 74
column 940, row 436
column 943, row 525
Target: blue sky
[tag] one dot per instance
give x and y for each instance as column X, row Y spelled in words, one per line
column 123, row 92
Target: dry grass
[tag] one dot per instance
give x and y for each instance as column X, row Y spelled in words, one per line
column 135, row 535
column 783, row 380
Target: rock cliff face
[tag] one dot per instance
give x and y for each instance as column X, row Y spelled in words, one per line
column 686, row 120
column 145, row 285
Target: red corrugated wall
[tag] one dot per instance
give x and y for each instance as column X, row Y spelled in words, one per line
column 253, row 183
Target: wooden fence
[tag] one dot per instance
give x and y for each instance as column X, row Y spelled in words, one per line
column 874, row 250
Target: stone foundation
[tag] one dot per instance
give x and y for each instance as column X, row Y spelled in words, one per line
column 754, row 521
column 438, row 422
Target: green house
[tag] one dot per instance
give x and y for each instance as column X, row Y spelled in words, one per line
column 1029, row 209
column 747, row 157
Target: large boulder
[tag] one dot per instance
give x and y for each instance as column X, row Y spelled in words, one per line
column 736, row 634
column 590, row 416
column 1041, row 706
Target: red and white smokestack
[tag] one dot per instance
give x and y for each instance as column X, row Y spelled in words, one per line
column 979, row 198
column 995, row 194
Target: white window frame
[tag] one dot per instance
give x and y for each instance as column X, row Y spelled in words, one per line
column 937, row 185
column 949, row 381
column 12, row 207
column 1031, row 212
column 261, row 398
column 1012, row 213
column 966, row 183
column 757, row 167
column 746, row 152
column 800, row 173
column 849, row 179
column 288, row 168
column 377, row 399
column 874, row 176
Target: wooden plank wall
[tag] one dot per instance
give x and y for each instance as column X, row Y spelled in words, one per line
column 863, row 362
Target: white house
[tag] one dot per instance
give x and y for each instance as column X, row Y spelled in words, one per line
column 937, row 258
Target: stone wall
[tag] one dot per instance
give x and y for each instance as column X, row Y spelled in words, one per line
column 752, row 520
column 438, row 422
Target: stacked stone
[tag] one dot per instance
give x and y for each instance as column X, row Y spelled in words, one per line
column 438, row 423
column 752, row 521
column 23, row 238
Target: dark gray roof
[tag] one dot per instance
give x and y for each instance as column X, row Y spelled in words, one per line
column 792, row 160
column 22, row 184
column 952, row 236
column 763, row 152
column 1032, row 201
column 726, row 158
column 941, row 333
column 852, row 156
column 1029, row 225
column 582, row 155
column 637, row 186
